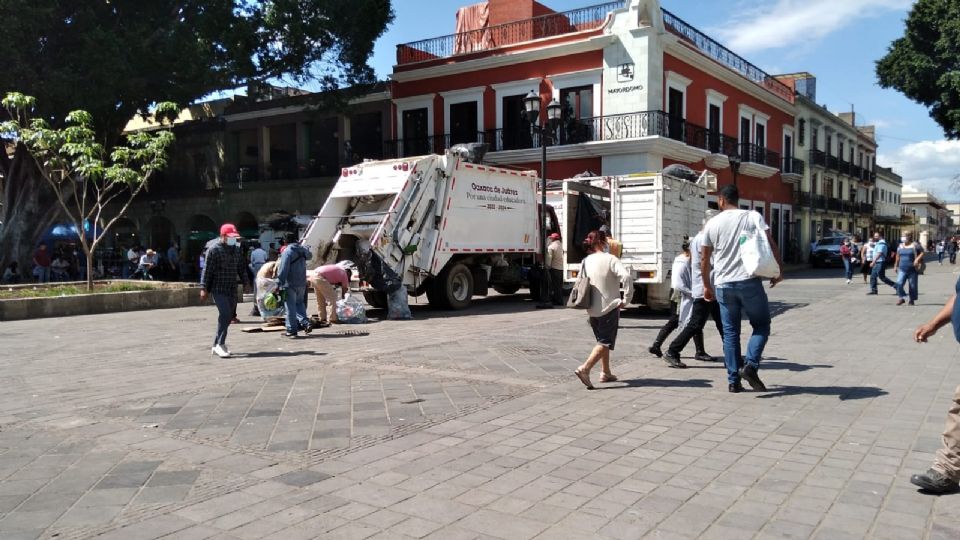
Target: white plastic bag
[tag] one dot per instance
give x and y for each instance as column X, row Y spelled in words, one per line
column 351, row 311
column 755, row 251
column 269, row 301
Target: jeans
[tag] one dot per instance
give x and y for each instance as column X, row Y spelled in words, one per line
column 556, row 287
column 738, row 298
column 226, row 305
column 911, row 276
column 879, row 271
column 940, row 257
column 847, row 268
column 296, row 304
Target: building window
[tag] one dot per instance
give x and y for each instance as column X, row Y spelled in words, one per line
column 714, row 117
column 815, row 142
column 840, row 149
column 415, row 133
column 802, row 128
column 463, row 123
column 576, row 114
column 829, row 145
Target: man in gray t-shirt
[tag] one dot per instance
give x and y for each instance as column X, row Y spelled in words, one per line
column 737, row 291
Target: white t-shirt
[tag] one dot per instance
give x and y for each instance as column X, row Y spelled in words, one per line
column 722, row 233
column 606, row 274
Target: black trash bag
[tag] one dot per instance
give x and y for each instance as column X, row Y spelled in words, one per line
column 379, row 275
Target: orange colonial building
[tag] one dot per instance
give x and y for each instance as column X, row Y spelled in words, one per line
column 639, row 89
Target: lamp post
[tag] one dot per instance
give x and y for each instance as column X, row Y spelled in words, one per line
column 734, row 167
column 531, row 105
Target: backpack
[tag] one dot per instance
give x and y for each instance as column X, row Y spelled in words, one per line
column 845, row 251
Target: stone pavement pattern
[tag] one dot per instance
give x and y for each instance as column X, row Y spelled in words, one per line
column 470, row 425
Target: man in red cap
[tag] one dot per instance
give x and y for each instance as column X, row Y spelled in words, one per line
column 555, row 265
column 223, row 267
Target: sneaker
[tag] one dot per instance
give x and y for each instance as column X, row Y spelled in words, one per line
column 221, row 351
column 749, row 373
column 704, row 357
column 234, row 321
column 901, row 301
column 655, row 350
column 290, row 334
column 874, row 293
column 307, row 327
column 848, row 281
column 934, row 482
column 673, row 361
column 910, row 303
column 735, row 388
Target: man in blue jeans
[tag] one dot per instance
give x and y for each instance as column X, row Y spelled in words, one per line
column 878, row 268
column 292, row 278
column 221, row 273
column 737, row 291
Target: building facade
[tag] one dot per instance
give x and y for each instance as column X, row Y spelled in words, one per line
column 835, row 195
column 931, row 220
column 639, row 89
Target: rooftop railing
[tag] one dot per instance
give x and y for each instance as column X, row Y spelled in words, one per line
column 502, row 35
column 725, row 56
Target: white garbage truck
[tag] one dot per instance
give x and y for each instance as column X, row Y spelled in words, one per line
column 648, row 213
column 448, row 227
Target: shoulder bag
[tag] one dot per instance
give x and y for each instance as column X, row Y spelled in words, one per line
column 580, row 295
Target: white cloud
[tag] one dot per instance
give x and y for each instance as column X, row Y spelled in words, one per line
column 927, row 166
column 789, row 23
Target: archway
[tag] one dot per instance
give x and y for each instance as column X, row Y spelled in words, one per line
column 202, row 229
column 160, row 233
column 125, row 233
column 248, row 225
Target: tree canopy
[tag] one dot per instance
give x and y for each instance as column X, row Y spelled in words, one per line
column 924, row 64
column 114, row 58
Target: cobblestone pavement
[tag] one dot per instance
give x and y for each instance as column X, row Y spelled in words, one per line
column 471, row 425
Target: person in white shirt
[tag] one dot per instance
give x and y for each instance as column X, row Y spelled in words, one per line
column 555, row 266
column 258, row 258
column 681, row 304
column 737, row 290
column 607, row 274
column 146, row 265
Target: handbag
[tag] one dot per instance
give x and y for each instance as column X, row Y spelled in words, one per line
column 755, row 251
column 580, row 295
column 922, row 267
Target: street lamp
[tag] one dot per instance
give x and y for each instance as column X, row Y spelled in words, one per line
column 531, row 105
column 734, row 167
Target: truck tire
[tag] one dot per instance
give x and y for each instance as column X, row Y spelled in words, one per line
column 506, row 288
column 453, row 288
column 376, row 299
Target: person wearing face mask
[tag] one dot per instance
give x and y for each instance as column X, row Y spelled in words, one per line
column 909, row 258
column 223, row 267
column 878, row 271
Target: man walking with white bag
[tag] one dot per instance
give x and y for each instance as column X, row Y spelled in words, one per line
column 734, row 252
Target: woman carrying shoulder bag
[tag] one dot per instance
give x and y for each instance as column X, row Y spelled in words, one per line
column 908, row 261
column 606, row 274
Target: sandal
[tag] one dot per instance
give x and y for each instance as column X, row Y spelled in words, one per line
column 584, row 378
column 609, row 378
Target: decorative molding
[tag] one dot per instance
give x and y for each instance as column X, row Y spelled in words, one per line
column 757, row 170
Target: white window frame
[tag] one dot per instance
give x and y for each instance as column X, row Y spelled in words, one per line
column 589, row 77
column 514, row 88
column 677, row 82
column 718, row 99
column 465, row 95
column 760, row 119
column 412, row 103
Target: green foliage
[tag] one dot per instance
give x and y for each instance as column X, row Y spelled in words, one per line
column 923, row 64
column 117, row 58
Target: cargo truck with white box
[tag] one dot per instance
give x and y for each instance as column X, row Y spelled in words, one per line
column 448, row 227
column 648, row 213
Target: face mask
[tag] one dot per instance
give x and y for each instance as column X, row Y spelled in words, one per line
column 903, row 239
column 231, row 241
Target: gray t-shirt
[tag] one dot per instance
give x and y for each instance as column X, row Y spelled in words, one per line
column 722, row 233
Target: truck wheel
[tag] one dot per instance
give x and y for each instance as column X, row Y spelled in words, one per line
column 376, row 299
column 453, row 288
column 506, row 288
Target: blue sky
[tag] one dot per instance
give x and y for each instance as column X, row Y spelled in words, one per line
column 836, row 40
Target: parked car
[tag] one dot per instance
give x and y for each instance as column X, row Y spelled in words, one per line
column 826, row 252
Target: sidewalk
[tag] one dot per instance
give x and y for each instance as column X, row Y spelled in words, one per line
column 473, row 426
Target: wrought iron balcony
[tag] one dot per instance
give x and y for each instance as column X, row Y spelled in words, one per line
column 725, row 56
column 833, row 163
column 502, row 35
column 754, row 153
column 845, row 167
column 792, row 165
column 818, row 158
column 834, row 204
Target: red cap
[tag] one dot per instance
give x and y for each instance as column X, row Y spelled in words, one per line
column 229, row 229
column 555, row 236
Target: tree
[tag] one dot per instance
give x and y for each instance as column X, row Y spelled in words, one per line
column 85, row 177
column 923, row 63
column 116, row 58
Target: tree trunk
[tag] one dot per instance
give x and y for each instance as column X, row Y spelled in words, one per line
column 29, row 209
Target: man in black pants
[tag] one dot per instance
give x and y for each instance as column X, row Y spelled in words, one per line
column 702, row 310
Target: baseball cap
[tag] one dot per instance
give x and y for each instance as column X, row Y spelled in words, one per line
column 555, row 236
column 229, row 229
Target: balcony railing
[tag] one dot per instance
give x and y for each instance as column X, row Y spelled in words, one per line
column 725, row 56
column 293, row 170
column 754, row 153
column 502, row 35
column 856, row 171
column 834, row 204
column 833, row 163
column 845, row 167
column 818, row 158
column 792, row 165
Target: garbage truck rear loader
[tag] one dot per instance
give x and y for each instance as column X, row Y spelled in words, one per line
column 448, row 228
